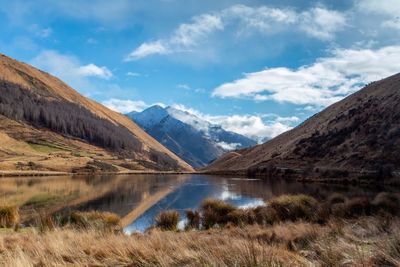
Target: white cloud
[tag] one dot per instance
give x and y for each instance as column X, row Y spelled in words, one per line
column 263, row 18
column 125, row 106
column 322, row 83
column 317, row 22
column 322, row 23
column 147, row 49
column 188, row 87
column 252, row 126
column 93, row 70
column 183, row 86
column 188, row 34
column 69, row 69
column 133, row 74
column 40, row 32
column 226, row 146
column 185, row 36
column 388, row 10
column 385, row 7
column 393, row 23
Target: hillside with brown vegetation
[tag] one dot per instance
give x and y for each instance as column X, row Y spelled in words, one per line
column 358, row 137
column 48, row 126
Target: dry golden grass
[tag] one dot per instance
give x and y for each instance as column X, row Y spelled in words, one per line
column 102, row 221
column 9, row 216
column 168, row 220
column 95, row 239
column 361, row 242
column 71, row 247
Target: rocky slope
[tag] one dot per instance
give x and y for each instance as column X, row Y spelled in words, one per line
column 191, row 138
column 56, row 128
column 356, row 137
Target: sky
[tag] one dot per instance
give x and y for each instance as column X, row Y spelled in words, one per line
column 255, row 67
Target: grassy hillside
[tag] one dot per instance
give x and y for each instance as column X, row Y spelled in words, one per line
column 358, row 137
column 55, row 123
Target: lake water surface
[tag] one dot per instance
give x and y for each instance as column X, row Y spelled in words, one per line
column 139, row 198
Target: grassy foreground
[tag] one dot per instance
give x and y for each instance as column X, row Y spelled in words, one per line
column 365, row 242
column 290, row 231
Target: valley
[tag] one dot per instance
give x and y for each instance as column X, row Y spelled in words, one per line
column 184, row 133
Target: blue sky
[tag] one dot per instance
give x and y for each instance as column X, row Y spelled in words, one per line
column 255, row 67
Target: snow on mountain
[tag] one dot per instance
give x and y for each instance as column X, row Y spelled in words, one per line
column 195, row 140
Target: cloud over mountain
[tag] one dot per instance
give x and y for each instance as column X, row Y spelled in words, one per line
column 322, row 83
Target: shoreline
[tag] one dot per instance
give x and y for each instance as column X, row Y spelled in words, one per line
column 55, row 173
column 32, row 173
column 394, row 181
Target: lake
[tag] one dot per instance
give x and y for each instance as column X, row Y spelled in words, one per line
column 139, row 198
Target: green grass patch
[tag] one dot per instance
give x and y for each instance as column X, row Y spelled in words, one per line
column 42, row 200
column 47, row 147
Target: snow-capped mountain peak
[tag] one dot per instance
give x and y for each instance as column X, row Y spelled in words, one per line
column 194, row 139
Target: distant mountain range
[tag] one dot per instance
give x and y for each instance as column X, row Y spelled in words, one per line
column 191, row 138
column 356, row 137
column 45, row 125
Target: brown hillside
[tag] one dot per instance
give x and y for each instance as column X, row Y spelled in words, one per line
column 358, row 136
column 47, row 90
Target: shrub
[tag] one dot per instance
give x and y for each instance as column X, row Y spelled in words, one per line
column 103, row 221
column 214, row 212
column 193, row 219
column 242, row 217
column 103, row 166
column 168, row 220
column 294, row 207
column 336, row 198
column 386, row 202
column 9, row 216
column 352, row 208
column 322, row 212
column 265, row 215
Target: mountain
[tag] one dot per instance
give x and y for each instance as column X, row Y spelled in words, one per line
column 356, row 137
column 46, row 125
column 194, row 140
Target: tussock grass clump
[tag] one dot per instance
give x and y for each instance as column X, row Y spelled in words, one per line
column 193, row 219
column 242, row 217
column 102, row 221
column 215, row 212
column 46, row 222
column 168, row 220
column 352, row 208
column 294, row 207
column 336, row 198
column 386, row 202
column 265, row 215
column 9, row 216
